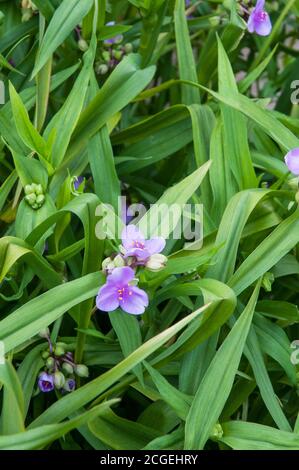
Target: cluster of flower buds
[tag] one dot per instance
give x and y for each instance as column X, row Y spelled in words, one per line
column 28, row 10
column 120, row 290
column 114, row 51
column 60, row 370
column 34, row 195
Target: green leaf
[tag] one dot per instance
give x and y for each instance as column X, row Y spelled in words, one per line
column 216, row 385
column 67, row 16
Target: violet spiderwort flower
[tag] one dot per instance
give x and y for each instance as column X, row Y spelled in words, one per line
column 78, row 180
column 118, row 292
column 46, row 382
column 136, row 245
column 259, row 21
column 69, row 385
column 292, row 161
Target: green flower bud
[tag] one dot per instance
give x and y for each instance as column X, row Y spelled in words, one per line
column 34, row 187
column 40, row 200
column 156, row 262
column 67, row 368
column 119, row 262
column 59, row 351
column 128, row 48
column 106, row 56
column 117, row 54
column 217, row 432
column 39, row 190
column 45, row 354
column 28, row 189
column 81, row 370
column 82, row 44
column 59, row 380
column 31, row 199
column 102, row 69
column 45, row 333
column 35, row 206
column 50, row 362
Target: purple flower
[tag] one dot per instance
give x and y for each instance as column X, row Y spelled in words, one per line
column 116, row 39
column 78, row 180
column 118, row 292
column 69, row 385
column 259, row 21
column 135, row 244
column 292, row 161
column 46, row 382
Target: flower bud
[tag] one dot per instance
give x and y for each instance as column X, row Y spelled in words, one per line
column 117, row 54
column 28, row 189
column 39, row 189
column 59, row 351
column 102, row 69
column 67, row 368
column 45, row 333
column 217, row 432
column 50, row 362
column 40, row 199
column 106, row 263
column 119, row 262
column 128, row 48
column 156, row 262
column 106, row 56
column 31, row 199
column 45, row 354
column 59, row 379
column 82, row 44
column 70, row 385
column 81, row 370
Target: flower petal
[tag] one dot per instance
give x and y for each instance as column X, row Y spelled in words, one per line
column 139, row 253
column 259, row 5
column 292, row 161
column 135, row 304
column 121, row 276
column 107, row 299
column 263, row 27
column 155, row 245
column 131, row 234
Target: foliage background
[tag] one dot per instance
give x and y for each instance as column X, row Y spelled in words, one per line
column 197, row 88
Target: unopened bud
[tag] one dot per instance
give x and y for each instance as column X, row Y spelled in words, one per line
column 59, row 379
column 45, row 354
column 128, row 48
column 31, row 199
column 38, row 189
column 106, row 56
column 156, row 262
column 45, row 333
column 70, row 385
column 28, row 189
column 117, row 54
column 67, row 368
column 81, row 370
column 102, row 69
column 59, row 351
column 40, row 199
column 119, row 262
column 50, row 362
column 217, row 432
column 82, row 44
